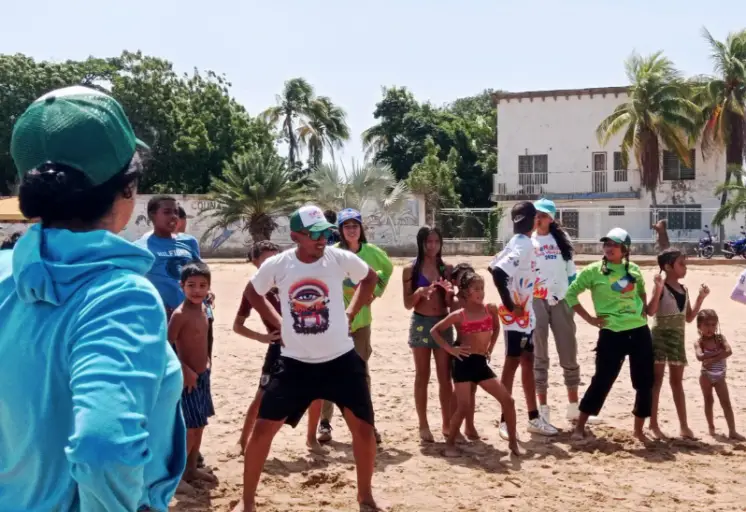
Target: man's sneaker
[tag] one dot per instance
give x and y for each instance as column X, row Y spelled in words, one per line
column 573, row 413
column 545, row 412
column 503, row 430
column 325, row 432
column 541, row 427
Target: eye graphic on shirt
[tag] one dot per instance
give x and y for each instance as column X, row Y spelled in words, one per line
column 308, row 300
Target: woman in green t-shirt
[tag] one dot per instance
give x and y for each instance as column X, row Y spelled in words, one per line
column 352, row 238
column 618, row 294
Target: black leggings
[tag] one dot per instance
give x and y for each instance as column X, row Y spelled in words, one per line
column 611, row 350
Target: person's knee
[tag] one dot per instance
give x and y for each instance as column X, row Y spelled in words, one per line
column 507, row 402
column 265, row 429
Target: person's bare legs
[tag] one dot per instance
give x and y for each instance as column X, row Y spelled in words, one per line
column 721, row 388
column 470, row 430
column 676, row 379
column 421, row 357
column 248, row 422
column 659, row 371
column 364, row 451
column 445, row 388
column 572, row 396
column 495, row 388
column 527, row 380
column 192, row 472
column 510, row 366
column 314, row 416
column 709, row 400
column 255, row 455
column 462, row 394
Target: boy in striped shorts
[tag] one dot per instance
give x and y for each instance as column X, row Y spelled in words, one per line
column 187, row 330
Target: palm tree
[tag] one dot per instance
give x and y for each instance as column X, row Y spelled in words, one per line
column 658, row 111
column 721, row 98
column 255, row 189
column 307, row 120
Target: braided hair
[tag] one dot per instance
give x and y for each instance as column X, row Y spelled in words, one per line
column 422, row 235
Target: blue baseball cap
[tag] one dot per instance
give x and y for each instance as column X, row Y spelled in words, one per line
column 348, row 214
column 546, row 206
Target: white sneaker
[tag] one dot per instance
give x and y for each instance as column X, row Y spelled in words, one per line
column 503, row 430
column 545, row 412
column 573, row 413
column 541, row 427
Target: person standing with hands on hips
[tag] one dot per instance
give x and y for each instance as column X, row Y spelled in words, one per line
column 618, row 293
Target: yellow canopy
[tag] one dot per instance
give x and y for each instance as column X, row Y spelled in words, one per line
column 10, row 212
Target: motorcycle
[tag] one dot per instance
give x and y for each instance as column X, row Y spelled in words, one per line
column 735, row 247
column 706, row 246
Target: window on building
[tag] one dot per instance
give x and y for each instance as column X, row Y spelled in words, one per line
column 599, row 161
column 675, row 169
column 681, row 216
column 620, row 171
column 616, row 211
column 533, row 166
column 570, row 220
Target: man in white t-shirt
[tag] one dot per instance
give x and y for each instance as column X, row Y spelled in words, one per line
column 514, row 272
column 318, row 359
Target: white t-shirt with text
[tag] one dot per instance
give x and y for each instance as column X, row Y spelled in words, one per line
column 553, row 272
column 314, row 322
column 518, row 261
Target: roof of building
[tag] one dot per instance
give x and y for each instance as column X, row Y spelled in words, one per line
column 590, row 91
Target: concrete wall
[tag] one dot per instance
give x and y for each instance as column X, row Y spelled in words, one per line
column 396, row 234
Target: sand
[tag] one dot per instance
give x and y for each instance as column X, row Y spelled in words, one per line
column 611, row 472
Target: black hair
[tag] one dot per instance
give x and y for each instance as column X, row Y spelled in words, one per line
column 10, row 241
column 605, row 269
column 466, row 280
column 668, row 257
column 706, row 314
column 331, row 216
column 182, row 212
column 523, row 215
column 461, row 267
column 155, row 202
column 60, row 194
column 261, row 247
column 563, row 241
column 195, row 268
column 422, row 235
column 343, row 242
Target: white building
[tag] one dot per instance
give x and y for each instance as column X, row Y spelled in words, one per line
column 547, row 147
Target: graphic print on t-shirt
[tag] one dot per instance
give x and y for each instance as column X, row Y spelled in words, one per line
column 308, row 300
column 520, row 298
column 623, row 285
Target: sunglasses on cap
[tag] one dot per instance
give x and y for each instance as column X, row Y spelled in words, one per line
column 327, row 233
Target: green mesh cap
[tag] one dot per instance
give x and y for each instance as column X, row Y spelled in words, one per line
column 76, row 126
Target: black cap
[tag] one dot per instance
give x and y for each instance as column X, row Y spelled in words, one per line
column 522, row 211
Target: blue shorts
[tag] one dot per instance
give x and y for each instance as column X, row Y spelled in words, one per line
column 197, row 403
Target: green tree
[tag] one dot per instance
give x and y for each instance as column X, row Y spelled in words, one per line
column 254, row 190
column 307, row 120
column 736, row 203
column 659, row 110
column 435, row 180
column 722, row 100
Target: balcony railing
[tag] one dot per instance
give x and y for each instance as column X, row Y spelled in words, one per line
column 567, row 185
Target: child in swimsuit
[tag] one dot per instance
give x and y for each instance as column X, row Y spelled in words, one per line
column 478, row 326
column 671, row 310
column 712, row 350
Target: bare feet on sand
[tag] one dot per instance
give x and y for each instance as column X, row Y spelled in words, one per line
column 686, row 433
column 459, row 437
column 735, row 436
column 372, row 506
column 471, row 434
column 240, row 507
column 657, row 432
column 713, row 431
column 195, row 475
column 640, row 436
column 515, row 449
column 236, row 451
column 426, row 436
column 452, row 451
column 315, row 447
column 578, row 435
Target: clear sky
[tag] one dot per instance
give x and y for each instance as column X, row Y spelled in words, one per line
column 349, row 49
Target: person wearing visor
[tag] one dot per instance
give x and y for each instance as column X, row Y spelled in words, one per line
column 619, row 300
column 352, row 238
column 90, row 399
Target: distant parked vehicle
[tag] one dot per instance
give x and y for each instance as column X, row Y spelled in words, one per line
column 736, row 247
column 706, row 246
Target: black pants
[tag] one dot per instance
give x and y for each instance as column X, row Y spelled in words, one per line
column 611, row 349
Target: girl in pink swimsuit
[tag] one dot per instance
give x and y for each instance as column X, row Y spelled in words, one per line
column 712, row 350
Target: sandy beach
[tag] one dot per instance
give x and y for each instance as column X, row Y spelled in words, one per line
column 611, row 472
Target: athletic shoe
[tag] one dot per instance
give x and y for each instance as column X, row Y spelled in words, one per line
column 503, row 430
column 573, row 413
column 325, row 432
column 541, row 427
column 545, row 412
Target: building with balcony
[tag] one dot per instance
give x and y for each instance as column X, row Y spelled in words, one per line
column 547, row 147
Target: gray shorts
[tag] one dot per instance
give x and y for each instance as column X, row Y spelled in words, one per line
column 419, row 331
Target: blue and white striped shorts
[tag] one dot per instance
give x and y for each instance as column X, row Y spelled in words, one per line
column 197, row 403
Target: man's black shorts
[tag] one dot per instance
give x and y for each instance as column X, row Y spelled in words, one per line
column 273, row 355
column 516, row 343
column 293, row 385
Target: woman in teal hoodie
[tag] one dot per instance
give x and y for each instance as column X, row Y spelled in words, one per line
column 89, row 415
